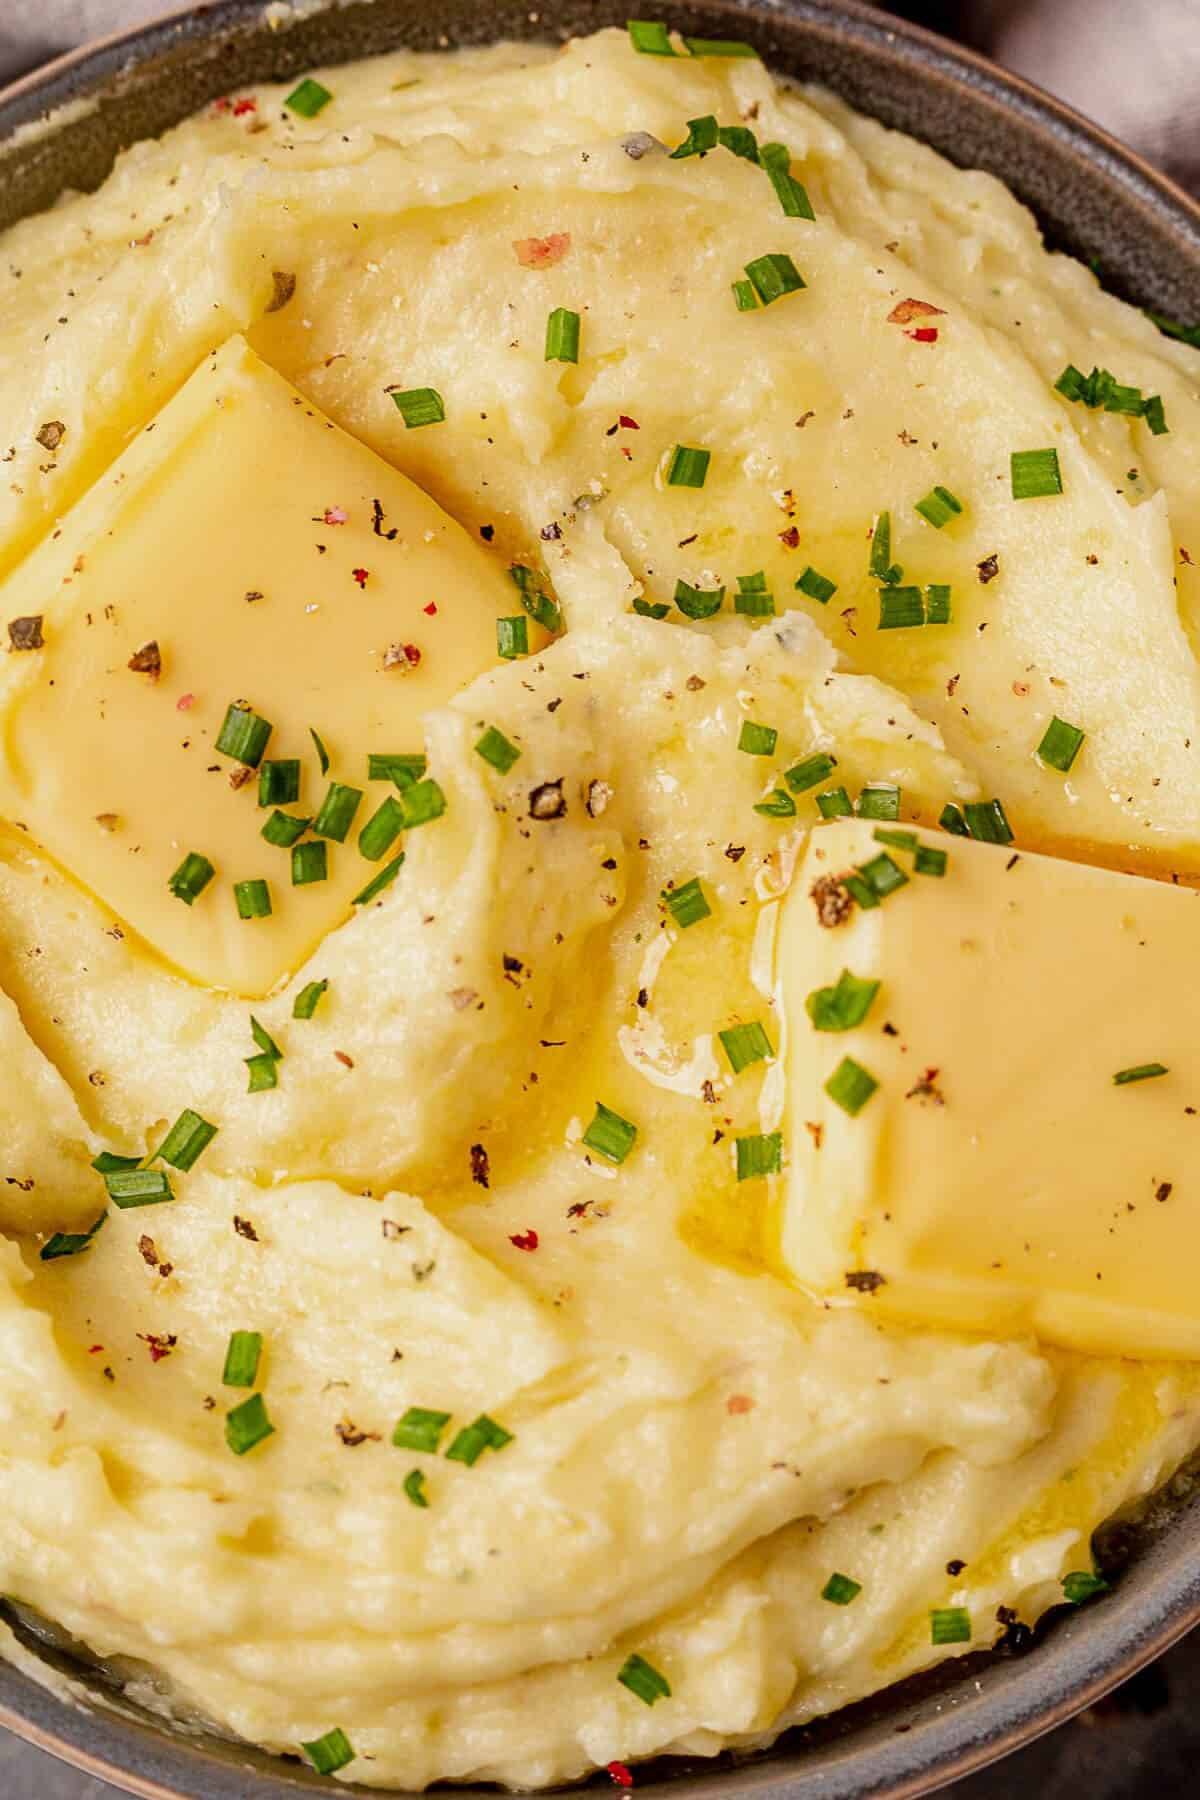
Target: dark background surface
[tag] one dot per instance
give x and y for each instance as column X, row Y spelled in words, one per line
column 1135, row 68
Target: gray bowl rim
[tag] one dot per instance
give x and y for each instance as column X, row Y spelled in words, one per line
column 989, row 1706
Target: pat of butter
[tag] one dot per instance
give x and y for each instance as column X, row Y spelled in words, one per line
column 272, row 559
column 998, row 1179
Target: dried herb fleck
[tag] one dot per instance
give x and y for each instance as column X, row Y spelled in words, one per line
column 26, row 633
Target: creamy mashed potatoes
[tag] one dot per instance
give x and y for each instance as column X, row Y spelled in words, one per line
column 542, row 1458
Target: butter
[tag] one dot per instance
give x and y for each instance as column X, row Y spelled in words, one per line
column 998, row 1179
column 257, row 553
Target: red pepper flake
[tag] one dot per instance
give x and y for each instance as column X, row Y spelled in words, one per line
column 905, row 311
column 185, row 702
column 925, row 334
column 245, row 105
column 816, row 1133
column 334, row 515
column 627, row 423
column 740, row 1403
column 619, row 1774
column 401, row 656
column 525, row 1240
column 95, row 1349
column 158, row 1344
column 360, row 575
column 431, row 609
column 790, row 538
column 223, row 105
column 347, row 1061
column 542, row 253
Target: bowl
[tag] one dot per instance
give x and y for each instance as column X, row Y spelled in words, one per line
column 61, row 127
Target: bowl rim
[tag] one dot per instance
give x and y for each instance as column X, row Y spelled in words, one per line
column 968, row 1730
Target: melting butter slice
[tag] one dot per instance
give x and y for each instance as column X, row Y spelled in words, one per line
column 998, row 1178
column 272, row 559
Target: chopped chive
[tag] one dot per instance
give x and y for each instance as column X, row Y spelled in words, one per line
column 264, row 1040
column 138, row 1187
column 402, row 769
column 817, row 587
column 687, row 904
column 337, row 812
column 701, row 138
column 650, row 37
column 879, row 564
column 421, row 803
column 937, row 604
column 757, row 740
column 242, row 1359
column 929, row 861
column 843, row 1007
column 773, row 276
column 698, row 603
column 381, row 829
column 939, row 506
column 739, row 140
column 1141, row 1072
column 949, row 1625
column 247, row 1425
column 377, row 883
column 252, row 899
column 534, row 599
column 900, row 608
column 243, row 735
column 420, row 1429
column 609, row 1135
column 651, row 609
column 834, row 804
column 1081, row 1585
column 562, row 336
column 308, row 99
column 470, row 1443
column 414, row 1487
column 1035, row 473
column 850, row 1086
column 284, row 829
column 419, row 406
column 777, row 805
column 860, row 892
column 754, row 603
column 702, row 46
column 840, row 1590
column 191, row 877
column 1187, row 334
column 1120, row 399
column 1061, row 744
column 753, row 584
column 688, row 466
column 776, row 159
column 309, row 863
column 896, row 840
column 1155, row 417
column 308, row 999
column 279, row 782
column 985, row 820
column 644, row 1680
column 497, row 750
column 512, row 637
column 330, row 1753
column 760, row 1153
column 108, row 1160
column 882, row 875
column 1072, row 383
column 806, row 774
column 878, row 803
column 319, row 747
column 745, row 1044
column 69, row 1243
column 744, row 297
column 952, row 820
column 263, row 1073
column 187, row 1138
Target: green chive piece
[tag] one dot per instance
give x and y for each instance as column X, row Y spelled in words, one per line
column 648, row 609
column 252, row 899
column 650, row 38
column 187, row 1138
column 419, row 406
column 739, row 140
column 512, row 637
column 319, row 747
column 381, row 829
column 777, row 805
column 701, row 46
column 609, row 1135
column 402, row 769
column 757, row 740
column 1061, row 744
column 952, row 820
column 242, row 1359
column 745, row 1044
column 1072, row 383
column 243, row 735
column 108, row 1160
column 860, row 892
column 1081, row 1585
column 985, row 820
column 330, row 1753
column 414, row 1487
column 834, row 804
column 284, row 829
column 850, row 1086
column 308, row 99
column 1141, row 1072
column 882, row 875
column 1035, row 473
column 929, row 861
column 806, row 774
column 701, row 138
column 900, row 608
column 1187, row 334
column 896, row 840
column 263, row 1073
column 698, row 603
column 817, row 587
column 644, row 1680
column 69, row 1243
column 337, row 812
column 879, row 564
column 264, row 1040
column 939, row 506
column 497, row 750
column 279, row 782
column 310, row 862
column 843, row 1007
column 138, row 1187
column 687, row 904
column 562, row 336
column 753, row 603
column 420, row 1429
column 191, row 877
column 421, row 803
column 776, row 159
column 744, row 296
column 688, row 466
column 377, row 883
column 937, row 604
column 949, row 1625
column 1155, row 417
column 1126, row 400
column 308, row 999
column 840, row 1590
column 534, row 599
column 760, row 1153
column 471, row 1442
column 753, row 584
column 878, row 803
column 773, row 276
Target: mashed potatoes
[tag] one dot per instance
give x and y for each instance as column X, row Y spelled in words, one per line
column 494, row 1180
